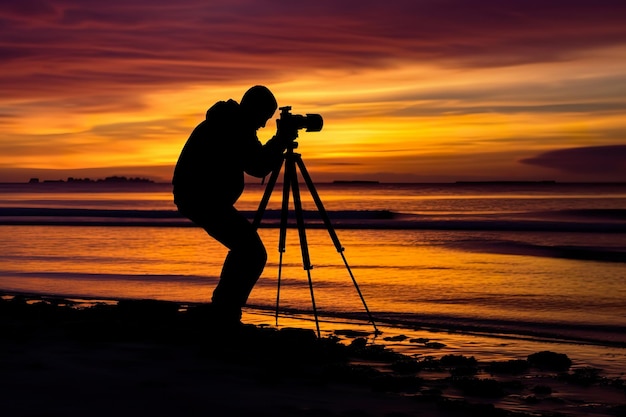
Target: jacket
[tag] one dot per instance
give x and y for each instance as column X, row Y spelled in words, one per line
column 210, row 170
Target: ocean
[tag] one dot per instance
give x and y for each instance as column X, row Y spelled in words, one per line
column 492, row 270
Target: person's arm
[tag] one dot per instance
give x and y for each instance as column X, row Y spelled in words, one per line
column 260, row 160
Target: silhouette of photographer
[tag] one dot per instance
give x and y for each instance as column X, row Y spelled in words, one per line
column 209, row 178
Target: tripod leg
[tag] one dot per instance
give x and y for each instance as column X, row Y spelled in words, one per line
column 306, row 260
column 284, row 216
column 280, row 268
column 332, row 233
column 266, row 196
column 320, row 206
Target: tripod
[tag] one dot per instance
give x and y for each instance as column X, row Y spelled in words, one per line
column 292, row 161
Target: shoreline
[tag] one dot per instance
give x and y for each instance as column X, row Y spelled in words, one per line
column 64, row 360
column 513, row 330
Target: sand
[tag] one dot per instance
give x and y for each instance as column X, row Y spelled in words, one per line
column 147, row 358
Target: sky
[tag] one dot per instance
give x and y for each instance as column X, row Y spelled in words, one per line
column 410, row 90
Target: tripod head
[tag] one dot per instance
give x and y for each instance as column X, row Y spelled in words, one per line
column 291, row 146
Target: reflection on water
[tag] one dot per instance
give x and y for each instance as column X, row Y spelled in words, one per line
column 482, row 271
column 398, row 272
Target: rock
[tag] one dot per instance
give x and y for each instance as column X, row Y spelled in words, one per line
column 548, row 360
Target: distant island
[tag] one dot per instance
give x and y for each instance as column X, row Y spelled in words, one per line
column 506, row 182
column 107, row 180
column 355, row 182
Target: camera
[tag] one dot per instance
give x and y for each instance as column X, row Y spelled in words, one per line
column 310, row 122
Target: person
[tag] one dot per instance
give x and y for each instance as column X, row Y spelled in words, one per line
column 209, row 178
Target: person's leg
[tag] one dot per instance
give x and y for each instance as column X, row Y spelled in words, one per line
column 245, row 260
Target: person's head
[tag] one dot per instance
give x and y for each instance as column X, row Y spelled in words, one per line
column 258, row 104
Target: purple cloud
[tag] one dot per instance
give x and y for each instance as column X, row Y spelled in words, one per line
column 589, row 160
column 58, row 44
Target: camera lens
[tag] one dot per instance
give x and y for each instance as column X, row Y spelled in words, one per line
column 314, row 122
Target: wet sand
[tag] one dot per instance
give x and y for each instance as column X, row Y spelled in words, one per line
column 136, row 358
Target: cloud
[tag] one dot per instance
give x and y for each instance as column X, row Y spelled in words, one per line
column 50, row 45
column 79, row 79
column 589, row 160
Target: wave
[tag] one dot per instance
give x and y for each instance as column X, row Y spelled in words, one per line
column 605, row 335
column 592, row 220
column 104, row 277
column 507, row 247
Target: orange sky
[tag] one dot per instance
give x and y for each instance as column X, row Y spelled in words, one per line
column 416, row 90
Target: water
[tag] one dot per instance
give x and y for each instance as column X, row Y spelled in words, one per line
column 492, row 270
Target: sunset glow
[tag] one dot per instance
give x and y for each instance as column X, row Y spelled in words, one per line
column 410, row 91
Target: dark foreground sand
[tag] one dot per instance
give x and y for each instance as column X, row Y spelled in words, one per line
column 147, row 358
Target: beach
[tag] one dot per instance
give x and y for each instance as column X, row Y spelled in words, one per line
column 146, row 357
column 466, row 282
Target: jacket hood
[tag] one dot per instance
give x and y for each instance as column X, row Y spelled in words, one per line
column 223, row 109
